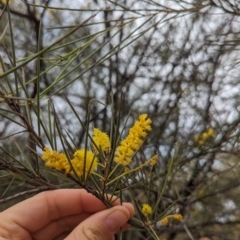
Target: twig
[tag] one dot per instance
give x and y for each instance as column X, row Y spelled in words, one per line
column 21, row 194
column 8, row 136
column 188, row 232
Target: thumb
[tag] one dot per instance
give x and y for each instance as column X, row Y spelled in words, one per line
column 103, row 225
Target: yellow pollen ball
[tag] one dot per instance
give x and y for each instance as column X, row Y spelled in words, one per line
column 178, row 217
column 83, row 158
column 153, row 160
column 101, row 140
column 54, row 159
column 146, row 210
column 164, row 221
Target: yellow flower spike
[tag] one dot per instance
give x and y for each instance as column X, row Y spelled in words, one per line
column 178, row 217
column 211, row 132
column 205, row 136
column 146, row 209
column 5, row 2
column 201, row 139
column 164, row 221
column 54, row 159
column 201, row 142
column 91, row 162
column 133, row 141
column 153, row 160
column 168, row 218
column 102, row 141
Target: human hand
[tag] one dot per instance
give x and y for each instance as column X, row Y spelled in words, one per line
column 68, row 214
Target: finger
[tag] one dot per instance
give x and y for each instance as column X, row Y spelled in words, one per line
column 61, row 236
column 103, row 225
column 60, row 226
column 48, row 206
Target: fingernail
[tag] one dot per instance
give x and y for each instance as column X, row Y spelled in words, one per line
column 116, row 219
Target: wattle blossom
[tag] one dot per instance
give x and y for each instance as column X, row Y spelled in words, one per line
column 168, row 218
column 178, row 217
column 146, row 209
column 201, row 139
column 60, row 162
column 153, row 160
column 81, row 156
column 102, row 141
column 54, row 159
column 133, row 141
column 164, row 221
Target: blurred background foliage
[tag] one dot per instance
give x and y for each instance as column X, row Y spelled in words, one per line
column 177, row 61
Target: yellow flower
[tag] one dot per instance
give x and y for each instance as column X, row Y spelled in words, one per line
column 133, row 141
column 201, row 142
column 91, row 162
column 153, row 160
column 5, row 2
column 146, row 209
column 168, row 218
column 55, row 159
column 201, row 139
column 178, row 217
column 164, row 221
column 205, row 136
column 211, row 132
column 102, row 141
